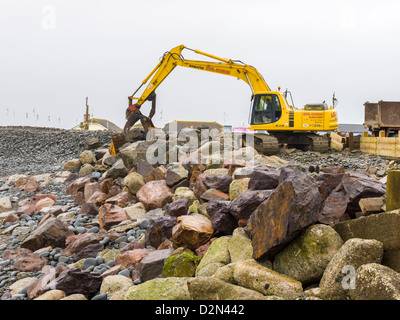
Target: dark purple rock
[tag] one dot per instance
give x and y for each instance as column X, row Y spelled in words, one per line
column 264, row 180
column 178, row 208
column 73, row 280
column 327, row 182
column 172, row 178
column 246, row 203
column 89, row 209
column 151, row 265
column 182, row 183
column 334, row 206
column 144, row 168
column 345, row 197
column 219, row 182
column 159, row 229
column 69, row 280
column 90, row 251
column 222, row 220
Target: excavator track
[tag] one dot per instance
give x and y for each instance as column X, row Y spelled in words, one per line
column 319, row 143
column 264, row 143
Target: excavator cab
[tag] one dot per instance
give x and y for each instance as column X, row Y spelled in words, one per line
column 266, row 109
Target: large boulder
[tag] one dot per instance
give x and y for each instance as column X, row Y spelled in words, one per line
column 122, row 199
column 290, row 209
column 218, row 252
column 353, row 254
column 329, row 180
column 69, row 280
column 53, row 232
column 117, row 170
column 383, row 227
column 208, row 288
column 86, row 170
column 222, row 220
column 173, row 288
column 346, row 196
column 237, row 187
column 144, row 169
column 29, row 262
column 199, row 184
column 192, row 231
column 72, row 165
column 176, row 173
column 184, row 193
column 151, row 266
column 160, row 228
column 264, row 179
column 133, row 152
column 376, row 282
column 240, row 248
column 182, row 263
column 178, row 207
column 76, row 243
column 5, row 204
column 307, row 256
column 136, row 210
column 115, row 284
column 155, row 194
column 246, row 203
column 87, row 157
column 110, row 215
column 131, row 258
column 78, row 185
column 254, row 276
column 133, row 182
column 219, row 182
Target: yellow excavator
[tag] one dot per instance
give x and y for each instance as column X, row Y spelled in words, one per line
column 273, row 119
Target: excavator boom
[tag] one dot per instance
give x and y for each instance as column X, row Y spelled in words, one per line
column 174, row 58
column 271, row 111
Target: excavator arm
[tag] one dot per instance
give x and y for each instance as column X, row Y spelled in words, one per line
column 174, row 58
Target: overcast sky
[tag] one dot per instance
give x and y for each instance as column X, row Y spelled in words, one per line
column 55, row 53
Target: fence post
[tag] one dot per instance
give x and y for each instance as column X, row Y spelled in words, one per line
column 351, row 141
column 392, row 190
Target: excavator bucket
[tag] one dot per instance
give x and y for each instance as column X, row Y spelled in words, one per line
column 116, row 142
column 147, row 124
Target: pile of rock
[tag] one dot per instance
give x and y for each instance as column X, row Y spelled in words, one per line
column 35, row 150
column 240, row 228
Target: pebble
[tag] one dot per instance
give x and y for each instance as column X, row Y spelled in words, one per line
column 93, row 230
column 125, row 273
column 102, row 296
column 80, row 230
column 4, row 263
column 99, row 260
column 121, row 239
column 89, row 262
column 145, row 224
column 96, row 175
column 63, row 259
column 44, row 254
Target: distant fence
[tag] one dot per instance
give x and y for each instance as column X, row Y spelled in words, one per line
column 382, row 146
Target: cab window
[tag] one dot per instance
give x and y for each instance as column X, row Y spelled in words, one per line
column 266, row 109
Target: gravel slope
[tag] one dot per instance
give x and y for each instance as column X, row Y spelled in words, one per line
column 35, row 150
